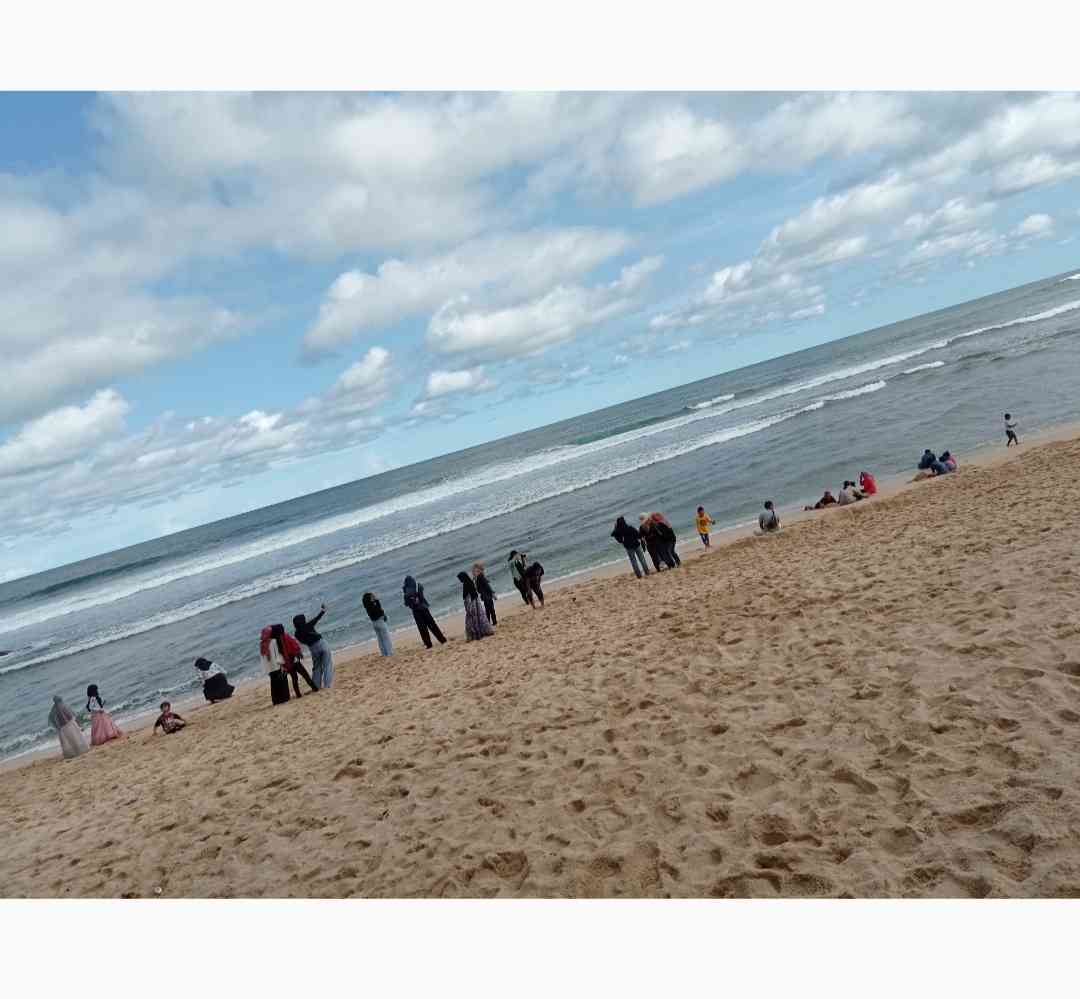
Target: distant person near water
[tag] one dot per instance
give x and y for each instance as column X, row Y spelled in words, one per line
column 168, row 721
column 668, row 539
column 215, row 684
column 517, row 574
column 702, row 522
column 322, row 660
column 931, row 465
column 413, row 595
column 72, row 741
column 477, row 625
column 629, row 538
column 487, row 594
column 827, row 499
column 102, row 727
column 867, row 484
column 1010, row 431
column 379, row 623
column 767, row 520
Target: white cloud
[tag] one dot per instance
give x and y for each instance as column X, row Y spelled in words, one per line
column 440, row 383
column 975, row 243
column 533, row 326
column 504, row 267
column 954, row 215
column 63, row 434
column 1039, row 225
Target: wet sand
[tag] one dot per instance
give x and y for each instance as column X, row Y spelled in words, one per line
column 882, row 700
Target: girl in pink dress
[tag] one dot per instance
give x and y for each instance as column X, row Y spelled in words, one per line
column 102, row 727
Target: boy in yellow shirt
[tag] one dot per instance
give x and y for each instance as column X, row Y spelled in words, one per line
column 703, row 522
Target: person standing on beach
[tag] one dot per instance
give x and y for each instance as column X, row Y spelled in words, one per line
column 291, row 661
column 517, row 573
column 487, row 594
column 533, row 574
column 414, row 599
column 102, row 727
column 666, row 533
column 702, row 522
column 477, row 625
column 649, row 539
column 1010, row 431
column 629, row 538
column 273, row 660
column 767, row 520
column 379, row 623
column 322, row 660
column 72, row 741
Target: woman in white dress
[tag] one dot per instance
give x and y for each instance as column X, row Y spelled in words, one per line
column 72, row 740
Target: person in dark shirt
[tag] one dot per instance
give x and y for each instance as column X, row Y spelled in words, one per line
column 168, row 721
column 322, row 661
column 487, row 594
column 629, row 538
column 379, row 623
column 414, row 599
column 534, row 572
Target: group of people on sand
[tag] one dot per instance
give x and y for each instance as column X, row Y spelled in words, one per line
column 653, row 535
column 849, row 493
column 282, row 656
column 931, row 465
column 72, row 739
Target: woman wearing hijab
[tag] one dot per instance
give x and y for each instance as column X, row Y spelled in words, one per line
column 650, row 539
column 477, row 625
column 414, row 599
column 379, row 623
column 867, row 483
column 668, row 539
column 487, row 594
column 282, row 658
column 72, row 741
column 629, row 538
column 102, row 727
column 322, row 662
column 215, row 684
column 517, row 573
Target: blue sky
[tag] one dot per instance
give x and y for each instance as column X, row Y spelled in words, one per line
column 214, row 302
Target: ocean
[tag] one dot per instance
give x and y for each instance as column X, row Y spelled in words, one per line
column 134, row 620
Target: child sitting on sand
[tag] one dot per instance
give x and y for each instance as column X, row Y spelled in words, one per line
column 169, row 721
column 768, row 521
column 703, row 521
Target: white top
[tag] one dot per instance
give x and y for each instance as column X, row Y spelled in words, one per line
column 273, row 661
column 844, row 497
column 212, row 671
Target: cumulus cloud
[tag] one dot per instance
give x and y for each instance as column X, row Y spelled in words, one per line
column 1037, row 226
column 504, row 267
column 440, row 383
column 533, row 326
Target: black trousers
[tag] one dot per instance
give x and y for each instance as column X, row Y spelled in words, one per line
column 534, row 585
column 298, row 667
column 489, row 608
column 523, row 589
column 426, row 623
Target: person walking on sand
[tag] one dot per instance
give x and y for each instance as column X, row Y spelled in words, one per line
column 629, row 538
column 102, row 727
column 477, row 625
column 650, row 540
column 72, row 741
column 322, row 660
column 668, row 539
column 215, row 684
column 487, row 594
column 768, row 521
column 379, row 623
column 702, row 522
column 517, row 573
column 534, row 572
column 1010, row 431
column 414, row 599
column 169, row 721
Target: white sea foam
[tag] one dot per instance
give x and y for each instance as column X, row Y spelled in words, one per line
column 708, row 403
column 1023, row 320
column 1071, row 277
column 923, row 367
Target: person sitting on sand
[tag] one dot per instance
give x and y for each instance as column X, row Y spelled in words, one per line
column 867, row 484
column 702, row 522
column 379, row 623
column 844, row 497
column 487, row 594
column 102, row 727
column 215, row 684
column 72, row 741
column 477, row 625
column 948, row 461
column 926, row 462
column 168, row 721
column 629, row 538
column 767, row 520
column 826, row 500
column 414, row 599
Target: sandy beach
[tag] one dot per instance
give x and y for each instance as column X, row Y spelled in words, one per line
column 883, row 700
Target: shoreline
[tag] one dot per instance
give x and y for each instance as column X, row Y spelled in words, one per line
column 405, row 637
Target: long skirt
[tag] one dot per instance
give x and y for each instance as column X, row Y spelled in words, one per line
column 72, row 740
column 477, row 625
column 217, row 688
column 102, row 728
